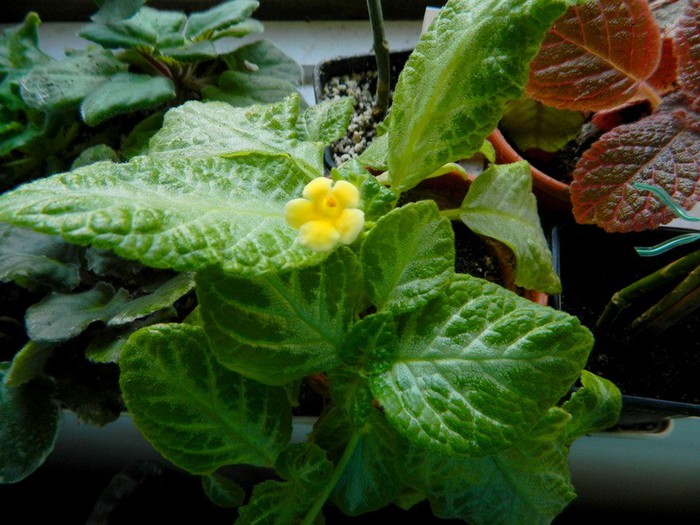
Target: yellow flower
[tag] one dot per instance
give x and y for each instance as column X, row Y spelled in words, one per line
column 326, row 215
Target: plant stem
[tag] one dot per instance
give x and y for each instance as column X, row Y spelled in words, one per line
column 339, row 469
column 622, row 299
column 381, row 54
column 453, row 215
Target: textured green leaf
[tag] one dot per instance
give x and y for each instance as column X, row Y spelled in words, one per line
column 192, row 51
column 63, row 84
column 59, row 317
column 240, row 29
column 306, row 471
column 98, row 153
column 19, row 46
column 500, row 204
column 148, row 27
column 34, row 260
column 222, row 491
column 136, row 142
column 112, row 10
column 28, row 363
column 124, row 93
column 281, row 326
column 219, row 18
column 217, row 128
column 327, row 121
column 29, row 421
column 265, row 59
column 478, row 367
column 451, row 93
column 594, row 407
column 408, row 257
column 376, row 200
column 244, row 89
column 196, row 413
column 687, row 46
column 531, row 124
column 184, row 213
column 526, row 485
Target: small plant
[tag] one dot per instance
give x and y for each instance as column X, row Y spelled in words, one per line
column 607, row 62
column 436, row 385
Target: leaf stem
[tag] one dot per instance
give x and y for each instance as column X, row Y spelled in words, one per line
column 453, row 215
column 339, row 469
column 650, row 93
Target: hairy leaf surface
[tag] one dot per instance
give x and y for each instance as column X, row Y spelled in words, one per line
column 596, row 56
column 408, row 257
column 500, row 204
column 451, row 92
column 184, row 213
column 661, row 150
column 282, row 326
column 195, row 412
column 687, row 39
column 477, row 367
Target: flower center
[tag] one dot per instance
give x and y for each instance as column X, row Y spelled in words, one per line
column 330, row 207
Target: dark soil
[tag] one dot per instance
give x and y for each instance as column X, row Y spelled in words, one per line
column 595, row 265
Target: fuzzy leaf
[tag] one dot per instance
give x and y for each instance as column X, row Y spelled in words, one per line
column 219, row 18
column 477, row 367
column 33, row 260
column 183, row 213
column 500, row 204
column 596, row 56
column 687, row 39
column 124, row 93
column 222, row 491
column 661, row 150
column 244, row 89
column 528, row 484
column 594, row 407
column 327, row 121
column 112, row 10
column 451, row 93
column 196, row 413
column 305, row 471
column 266, row 59
column 283, row 326
column 192, row 51
column 19, row 46
column 28, row 363
column 218, row 129
column 29, row 421
column 63, row 84
column 59, row 317
column 376, row 200
column 531, row 124
column 408, row 257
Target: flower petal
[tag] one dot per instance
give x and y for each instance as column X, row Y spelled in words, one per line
column 317, row 188
column 297, row 212
column 319, row 236
column 349, row 225
column 346, row 194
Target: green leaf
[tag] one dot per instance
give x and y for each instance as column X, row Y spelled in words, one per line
column 306, row 471
column 146, row 28
column 124, row 93
column 98, row 153
column 594, row 407
column 113, row 10
column 136, row 142
column 531, row 124
column 184, row 213
column 196, row 413
column 453, row 88
column 376, row 154
column 528, row 484
column 239, row 29
column 327, row 121
column 222, row 491
column 34, row 260
column 500, row 204
column 408, row 257
column 219, row 18
column 63, row 84
column 192, row 51
column 162, row 297
column 59, row 317
column 281, row 326
column 264, row 59
column 19, row 46
column 218, row 129
column 376, row 200
column 29, row 421
column 478, row 367
column 28, row 363
column 244, row 89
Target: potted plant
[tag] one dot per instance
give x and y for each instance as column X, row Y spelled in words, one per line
column 435, row 385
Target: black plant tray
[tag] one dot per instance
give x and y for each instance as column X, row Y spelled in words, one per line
column 657, row 374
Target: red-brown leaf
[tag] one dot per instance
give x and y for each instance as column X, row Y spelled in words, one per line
column 688, row 49
column 596, row 56
column 662, row 149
